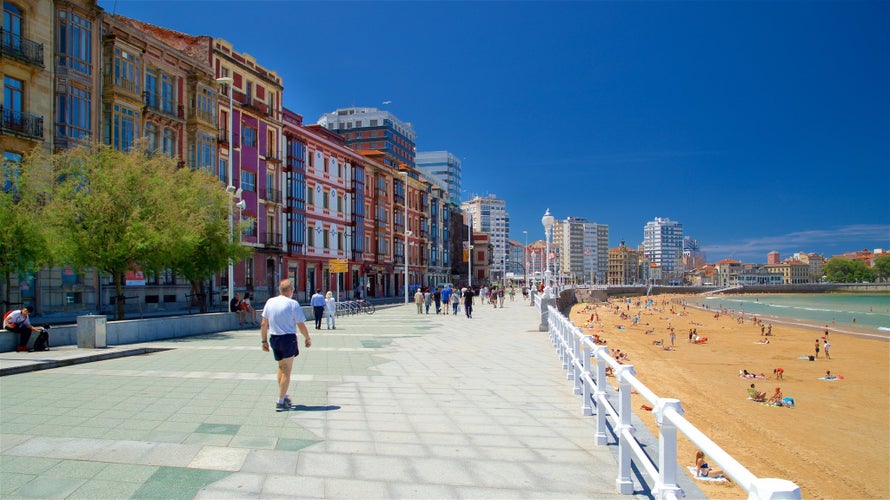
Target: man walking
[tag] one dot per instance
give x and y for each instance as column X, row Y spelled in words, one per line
column 282, row 316
column 468, row 302
column 317, row 302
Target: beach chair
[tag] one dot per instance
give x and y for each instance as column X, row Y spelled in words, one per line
column 753, row 395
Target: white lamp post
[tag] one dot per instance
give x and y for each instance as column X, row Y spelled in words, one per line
column 547, row 221
column 525, row 258
column 230, row 188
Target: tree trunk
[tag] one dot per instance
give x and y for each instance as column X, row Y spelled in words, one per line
column 198, row 293
column 119, row 296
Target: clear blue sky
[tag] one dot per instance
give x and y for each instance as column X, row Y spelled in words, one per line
column 758, row 125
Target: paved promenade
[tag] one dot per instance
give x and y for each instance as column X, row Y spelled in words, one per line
column 392, row 405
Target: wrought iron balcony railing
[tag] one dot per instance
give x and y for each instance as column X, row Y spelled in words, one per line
column 22, row 123
column 21, row 48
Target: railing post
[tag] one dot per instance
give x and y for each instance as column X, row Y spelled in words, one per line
column 586, row 408
column 666, row 484
column 623, row 483
column 601, row 353
column 545, row 313
column 576, row 356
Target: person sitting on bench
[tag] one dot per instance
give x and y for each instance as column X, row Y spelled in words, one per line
column 18, row 321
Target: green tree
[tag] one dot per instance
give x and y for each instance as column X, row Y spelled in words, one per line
column 119, row 211
column 209, row 248
column 882, row 268
column 842, row 270
column 22, row 246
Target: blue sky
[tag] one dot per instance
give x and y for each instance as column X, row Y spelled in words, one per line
column 758, row 125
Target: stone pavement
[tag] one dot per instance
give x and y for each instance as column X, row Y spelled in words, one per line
column 390, row 405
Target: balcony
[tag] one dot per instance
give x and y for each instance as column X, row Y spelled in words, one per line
column 21, row 123
column 222, row 136
column 166, row 107
column 17, row 47
column 273, row 156
column 272, row 195
column 271, row 240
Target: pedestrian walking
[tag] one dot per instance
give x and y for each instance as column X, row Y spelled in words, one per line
column 330, row 310
column 455, row 302
column 418, row 300
column 446, row 299
column 427, row 300
column 817, row 348
column 825, row 347
column 468, row 302
column 282, row 317
column 437, row 298
column 317, row 302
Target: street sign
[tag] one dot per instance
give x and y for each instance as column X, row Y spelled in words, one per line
column 338, row 265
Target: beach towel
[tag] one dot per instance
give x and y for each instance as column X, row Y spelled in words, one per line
column 720, row 479
column 837, row 377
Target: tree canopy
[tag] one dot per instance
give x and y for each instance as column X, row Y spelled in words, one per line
column 841, row 270
column 119, row 211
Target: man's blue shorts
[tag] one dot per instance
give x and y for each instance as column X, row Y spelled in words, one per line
column 284, row 346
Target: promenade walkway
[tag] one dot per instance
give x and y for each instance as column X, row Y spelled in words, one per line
column 393, row 405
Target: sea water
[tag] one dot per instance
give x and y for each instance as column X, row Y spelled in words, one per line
column 871, row 311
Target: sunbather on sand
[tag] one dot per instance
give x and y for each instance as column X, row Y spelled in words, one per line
column 702, row 469
column 776, row 399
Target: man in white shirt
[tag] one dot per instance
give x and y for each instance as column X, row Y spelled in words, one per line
column 282, row 316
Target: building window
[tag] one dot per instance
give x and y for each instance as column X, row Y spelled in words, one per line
column 151, row 134
column 204, row 150
column 248, row 136
column 120, row 127
column 223, row 173
column 249, row 224
column 11, row 165
column 75, row 45
column 169, row 148
column 248, row 181
column 73, row 118
column 125, row 70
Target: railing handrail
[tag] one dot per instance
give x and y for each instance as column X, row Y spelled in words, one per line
column 576, row 351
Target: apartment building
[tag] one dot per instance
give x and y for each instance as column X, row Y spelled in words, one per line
column 372, row 129
column 442, row 168
column 489, row 215
column 663, row 245
column 625, row 266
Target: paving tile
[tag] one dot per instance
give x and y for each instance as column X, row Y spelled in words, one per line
column 94, row 489
column 219, row 458
column 128, row 473
column 49, row 487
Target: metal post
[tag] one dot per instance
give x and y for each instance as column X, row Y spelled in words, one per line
column 407, row 233
column 229, row 82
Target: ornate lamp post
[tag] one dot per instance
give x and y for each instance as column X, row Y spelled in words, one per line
column 547, row 222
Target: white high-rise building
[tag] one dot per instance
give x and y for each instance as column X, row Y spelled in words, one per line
column 663, row 245
column 489, row 215
column 442, row 168
column 583, row 249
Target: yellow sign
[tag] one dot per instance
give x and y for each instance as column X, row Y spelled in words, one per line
column 338, row 265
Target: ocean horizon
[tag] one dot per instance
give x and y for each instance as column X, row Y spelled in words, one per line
column 837, row 310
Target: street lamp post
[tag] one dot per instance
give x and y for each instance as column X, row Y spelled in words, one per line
column 470, row 253
column 547, row 221
column 230, row 188
column 525, row 258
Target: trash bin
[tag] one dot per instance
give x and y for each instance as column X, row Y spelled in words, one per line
column 91, row 331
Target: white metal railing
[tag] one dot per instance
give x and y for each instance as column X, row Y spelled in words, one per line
column 577, row 353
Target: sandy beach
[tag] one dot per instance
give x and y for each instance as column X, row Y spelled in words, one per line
column 835, row 442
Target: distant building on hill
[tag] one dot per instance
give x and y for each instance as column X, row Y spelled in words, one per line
column 773, row 257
